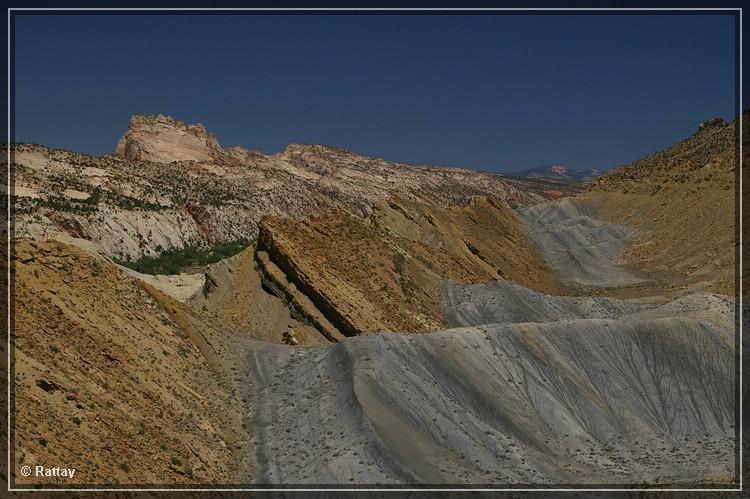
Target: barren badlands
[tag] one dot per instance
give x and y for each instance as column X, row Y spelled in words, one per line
column 187, row 313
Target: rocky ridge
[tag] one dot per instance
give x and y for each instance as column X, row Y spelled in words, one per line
column 171, row 185
column 683, row 201
column 559, row 172
column 384, row 273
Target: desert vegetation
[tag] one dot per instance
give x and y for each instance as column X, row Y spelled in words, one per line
column 177, row 260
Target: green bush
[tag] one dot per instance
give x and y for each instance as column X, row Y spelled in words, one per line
column 174, row 261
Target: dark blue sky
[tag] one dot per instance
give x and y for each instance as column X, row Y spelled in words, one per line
column 492, row 92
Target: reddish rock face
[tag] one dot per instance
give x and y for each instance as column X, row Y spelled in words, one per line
column 202, row 218
column 68, row 224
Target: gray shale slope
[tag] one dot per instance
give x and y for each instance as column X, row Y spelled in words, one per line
column 525, row 388
column 583, row 250
column 632, row 399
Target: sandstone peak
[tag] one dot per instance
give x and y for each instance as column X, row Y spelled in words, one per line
column 163, row 139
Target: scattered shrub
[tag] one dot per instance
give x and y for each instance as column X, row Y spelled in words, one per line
column 398, row 262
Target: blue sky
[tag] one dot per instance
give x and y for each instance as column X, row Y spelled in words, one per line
column 491, row 92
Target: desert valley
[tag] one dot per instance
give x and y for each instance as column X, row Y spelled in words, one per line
column 188, row 313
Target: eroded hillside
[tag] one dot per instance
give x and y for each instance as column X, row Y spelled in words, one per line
column 110, row 379
column 625, row 395
column 384, row 273
column 683, row 200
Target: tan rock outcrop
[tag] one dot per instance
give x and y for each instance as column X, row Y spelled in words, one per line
column 162, row 139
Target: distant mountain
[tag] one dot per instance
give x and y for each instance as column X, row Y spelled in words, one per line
column 558, row 172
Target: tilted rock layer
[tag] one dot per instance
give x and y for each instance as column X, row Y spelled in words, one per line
column 384, row 273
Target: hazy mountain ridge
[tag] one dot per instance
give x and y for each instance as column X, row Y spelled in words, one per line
column 558, row 172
